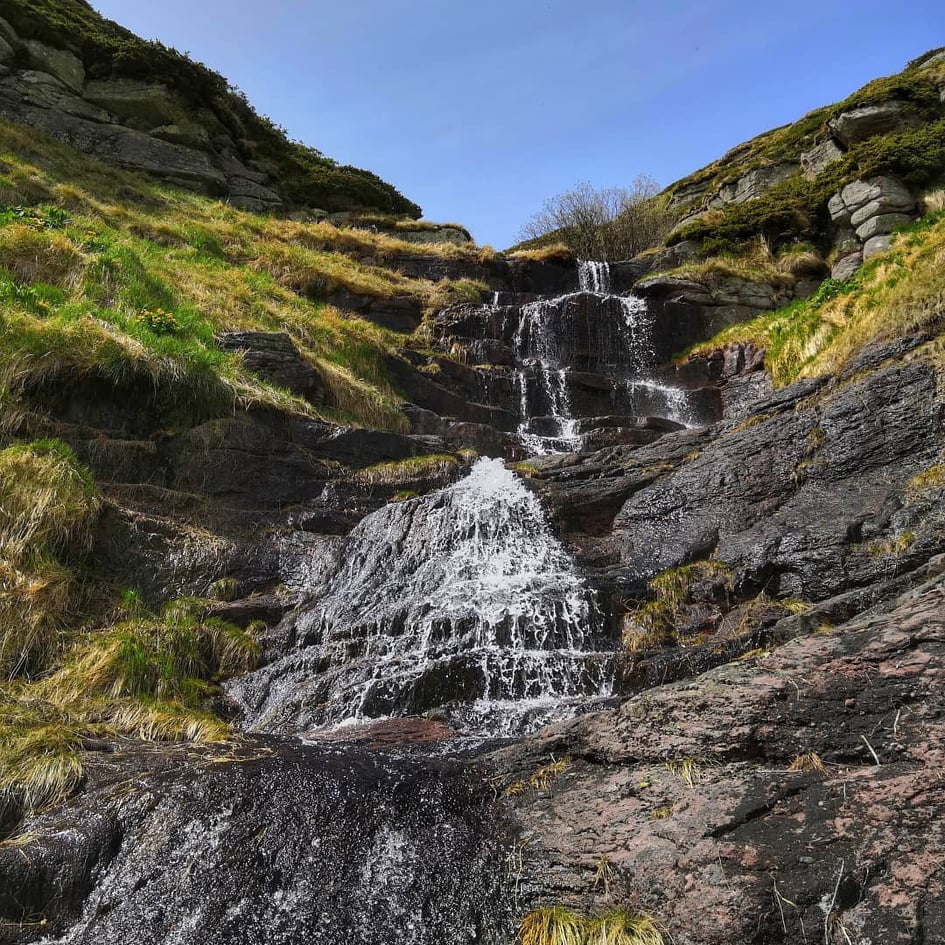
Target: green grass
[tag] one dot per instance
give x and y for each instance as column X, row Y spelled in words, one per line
column 894, row 294
column 49, row 506
column 140, row 674
column 106, row 273
column 653, row 623
column 408, row 470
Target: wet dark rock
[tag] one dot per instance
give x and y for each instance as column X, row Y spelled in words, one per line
column 271, row 841
column 751, row 842
column 274, row 357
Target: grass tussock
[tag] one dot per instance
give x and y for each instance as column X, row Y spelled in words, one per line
column 542, row 780
column 558, row 925
column 652, row 624
column 144, row 675
column 554, row 252
column 809, row 762
column 150, row 676
column 408, row 470
column 49, row 506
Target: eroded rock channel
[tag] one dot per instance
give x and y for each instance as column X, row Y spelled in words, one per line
column 450, row 727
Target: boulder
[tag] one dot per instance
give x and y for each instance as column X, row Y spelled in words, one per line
column 7, row 52
column 65, row 66
column 847, row 265
column 862, row 123
column 882, row 223
column 877, row 244
column 752, row 185
column 820, row 157
column 42, row 90
column 9, row 34
column 141, row 105
column 248, row 195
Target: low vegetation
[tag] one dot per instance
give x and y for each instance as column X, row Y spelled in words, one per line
column 894, row 294
column 397, row 472
column 305, row 176
column 67, row 683
column 652, row 623
column 600, row 224
column 558, row 925
column 114, row 276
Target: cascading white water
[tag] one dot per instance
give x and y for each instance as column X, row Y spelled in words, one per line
column 617, row 331
column 461, row 598
column 594, row 277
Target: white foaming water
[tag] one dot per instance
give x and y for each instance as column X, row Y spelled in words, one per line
column 549, row 332
column 675, row 404
column 594, row 276
column 463, row 597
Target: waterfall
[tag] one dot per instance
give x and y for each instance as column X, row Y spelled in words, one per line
column 461, row 599
column 594, row 277
column 609, row 335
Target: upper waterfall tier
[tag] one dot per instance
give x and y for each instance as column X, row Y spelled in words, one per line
column 556, row 363
column 462, row 599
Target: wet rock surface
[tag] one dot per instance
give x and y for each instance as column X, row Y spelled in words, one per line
column 792, row 796
column 270, row 841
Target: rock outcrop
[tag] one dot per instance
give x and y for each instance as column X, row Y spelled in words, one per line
column 211, row 142
column 790, row 796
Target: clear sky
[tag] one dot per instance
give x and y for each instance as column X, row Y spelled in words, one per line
column 478, row 111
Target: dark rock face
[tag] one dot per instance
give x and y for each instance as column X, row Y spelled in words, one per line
column 766, row 801
column 274, row 842
column 800, row 499
column 274, row 357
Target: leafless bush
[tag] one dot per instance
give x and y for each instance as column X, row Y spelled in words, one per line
column 604, row 224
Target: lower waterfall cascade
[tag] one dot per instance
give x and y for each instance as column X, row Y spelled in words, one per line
column 462, row 598
column 462, row 603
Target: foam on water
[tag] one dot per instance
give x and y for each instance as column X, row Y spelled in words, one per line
column 464, row 598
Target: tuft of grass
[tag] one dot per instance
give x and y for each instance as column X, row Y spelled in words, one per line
column 553, row 252
column 927, row 480
column 408, row 470
column 690, row 770
column 558, row 925
column 553, row 925
column 225, row 589
column 621, row 927
column 808, row 762
column 542, row 779
column 49, row 507
column 652, row 624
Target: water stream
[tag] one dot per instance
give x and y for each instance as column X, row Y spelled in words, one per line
column 462, row 600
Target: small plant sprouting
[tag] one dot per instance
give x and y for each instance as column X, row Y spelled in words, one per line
column 690, row 770
column 159, row 322
column 541, row 780
column 810, row 761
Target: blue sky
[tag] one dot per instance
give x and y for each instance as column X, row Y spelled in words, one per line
column 479, row 111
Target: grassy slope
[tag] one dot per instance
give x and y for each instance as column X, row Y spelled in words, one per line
column 305, row 176
column 894, row 293
column 90, row 269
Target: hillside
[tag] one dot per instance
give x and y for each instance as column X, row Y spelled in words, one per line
column 90, row 82
column 362, row 585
